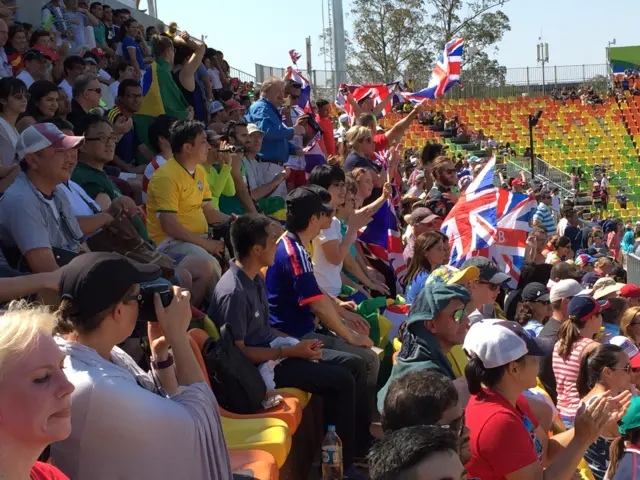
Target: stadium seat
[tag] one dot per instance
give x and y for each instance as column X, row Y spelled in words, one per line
column 256, row 464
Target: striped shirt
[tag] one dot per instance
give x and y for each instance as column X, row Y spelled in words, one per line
column 544, row 217
column 153, row 165
column 566, row 373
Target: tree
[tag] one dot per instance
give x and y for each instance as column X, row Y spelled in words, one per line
column 482, row 28
column 389, row 37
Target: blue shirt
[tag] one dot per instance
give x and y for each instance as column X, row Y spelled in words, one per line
column 533, row 327
column 544, row 217
column 276, row 146
column 127, row 42
column 629, row 466
column 415, row 287
column 291, row 287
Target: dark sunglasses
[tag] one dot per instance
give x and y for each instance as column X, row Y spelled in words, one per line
column 492, row 286
column 97, row 90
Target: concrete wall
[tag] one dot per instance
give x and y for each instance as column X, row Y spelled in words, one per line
column 30, row 11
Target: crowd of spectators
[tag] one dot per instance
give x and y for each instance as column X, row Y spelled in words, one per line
column 143, row 188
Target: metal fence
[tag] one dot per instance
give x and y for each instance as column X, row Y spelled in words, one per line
column 518, row 81
column 544, row 173
column 243, row 76
column 633, row 269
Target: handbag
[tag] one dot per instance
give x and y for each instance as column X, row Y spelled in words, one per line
column 235, row 381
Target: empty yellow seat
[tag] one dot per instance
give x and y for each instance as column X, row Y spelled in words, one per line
column 268, row 434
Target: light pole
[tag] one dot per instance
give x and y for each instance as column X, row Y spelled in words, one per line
column 533, row 121
column 542, row 50
column 609, row 69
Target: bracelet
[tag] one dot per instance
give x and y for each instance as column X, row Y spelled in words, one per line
column 161, row 365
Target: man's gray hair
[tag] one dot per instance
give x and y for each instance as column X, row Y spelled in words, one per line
column 268, row 83
column 81, row 84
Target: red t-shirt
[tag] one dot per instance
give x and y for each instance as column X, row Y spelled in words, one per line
column 502, row 437
column 327, row 135
column 380, row 142
column 44, row 471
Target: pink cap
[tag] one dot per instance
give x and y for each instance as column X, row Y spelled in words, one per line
column 42, row 135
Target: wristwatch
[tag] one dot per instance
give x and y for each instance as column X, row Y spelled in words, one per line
column 161, row 365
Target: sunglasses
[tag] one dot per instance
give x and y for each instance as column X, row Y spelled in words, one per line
column 459, row 315
column 492, row 286
column 97, row 90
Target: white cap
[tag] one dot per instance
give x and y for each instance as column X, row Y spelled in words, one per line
column 629, row 348
column 215, row 107
column 498, row 342
column 566, row 288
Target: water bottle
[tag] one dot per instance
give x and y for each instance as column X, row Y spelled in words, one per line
column 332, row 455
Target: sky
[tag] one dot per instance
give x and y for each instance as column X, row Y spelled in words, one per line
column 257, row 31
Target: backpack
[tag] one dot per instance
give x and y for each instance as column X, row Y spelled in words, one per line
column 235, row 381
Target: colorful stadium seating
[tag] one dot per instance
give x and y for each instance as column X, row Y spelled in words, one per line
column 569, row 135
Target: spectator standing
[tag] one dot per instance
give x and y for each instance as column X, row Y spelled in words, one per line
column 131, row 49
column 240, row 301
column 13, row 103
column 36, row 220
column 86, row 96
column 110, row 28
column 79, row 18
column 100, row 31
column 276, row 145
column 437, row 322
column 168, row 420
column 35, row 67
column 74, row 66
column 291, row 112
column 5, row 66
column 324, row 120
column 179, row 208
column 187, row 70
column 383, row 140
column 55, row 19
column 543, row 217
column 27, row 349
column 441, row 198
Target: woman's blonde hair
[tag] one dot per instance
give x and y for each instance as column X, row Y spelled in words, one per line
column 20, row 328
column 268, row 83
column 625, row 323
column 357, row 134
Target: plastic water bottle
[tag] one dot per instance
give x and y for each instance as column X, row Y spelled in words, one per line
column 332, row 455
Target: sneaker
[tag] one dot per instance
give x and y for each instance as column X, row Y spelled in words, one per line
column 352, row 473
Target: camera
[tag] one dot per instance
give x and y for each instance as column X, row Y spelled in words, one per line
column 231, row 149
column 147, row 311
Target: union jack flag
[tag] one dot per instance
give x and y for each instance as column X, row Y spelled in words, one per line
column 377, row 92
column 304, row 101
column 445, row 74
column 490, row 222
column 313, row 154
column 295, row 56
column 382, row 159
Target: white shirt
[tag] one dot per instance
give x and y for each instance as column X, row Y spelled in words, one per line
column 5, row 66
column 562, row 225
column 8, row 142
column 327, row 274
column 214, row 75
column 26, row 78
column 113, row 88
column 123, row 426
column 66, row 86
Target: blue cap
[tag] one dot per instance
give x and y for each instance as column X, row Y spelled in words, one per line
column 589, row 279
column 584, row 307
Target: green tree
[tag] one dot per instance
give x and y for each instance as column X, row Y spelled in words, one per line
column 389, row 36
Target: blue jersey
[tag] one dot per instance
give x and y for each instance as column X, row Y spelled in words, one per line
column 629, row 466
column 291, row 287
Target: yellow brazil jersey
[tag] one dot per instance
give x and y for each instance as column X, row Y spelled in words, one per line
column 173, row 189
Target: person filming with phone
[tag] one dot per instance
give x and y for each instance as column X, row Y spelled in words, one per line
column 240, row 301
column 126, row 423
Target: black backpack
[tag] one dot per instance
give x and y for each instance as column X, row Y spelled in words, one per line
column 235, row 381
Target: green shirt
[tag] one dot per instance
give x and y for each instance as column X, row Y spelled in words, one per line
column 100, row 34
column 94, row 182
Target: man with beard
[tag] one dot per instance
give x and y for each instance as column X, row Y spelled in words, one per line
column 441, row 197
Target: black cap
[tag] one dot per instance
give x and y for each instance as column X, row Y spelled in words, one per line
column 95, row 281
column 489, row 271
column 33, row 54
column 535, row 292
column 307, row 200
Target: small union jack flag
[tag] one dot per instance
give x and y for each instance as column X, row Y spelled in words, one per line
column 295, row 56
column 490, row 222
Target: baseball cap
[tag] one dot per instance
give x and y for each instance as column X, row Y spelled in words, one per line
column 98, row 51
column 584, row 307
column 434, row 298
column 90, row 59
column 253, row 128
column 94, row 281
column 566, row 288
column 517, row 181
column 631, row 419
column 498, row 342
column 47, row 52
column 307, row 200
column 42, row 135
column 535, row 292
column 584, row 259
column 589, row 279
column 232, row 105
column 451, row 275
column 215, row 107
column 629, row 348
column 343, row 118
column 33, row 54
column 630, row 291
column 422, row 215
column 605, row 286
column 474, row 159
column 489, row 272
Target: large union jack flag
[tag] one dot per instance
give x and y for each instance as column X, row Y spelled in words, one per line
column 490, row 222
column 304, row 101
column 445, row 74
column 377, row 92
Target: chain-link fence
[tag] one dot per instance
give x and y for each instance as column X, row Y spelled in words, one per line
column 518, row 81
column 633, row 269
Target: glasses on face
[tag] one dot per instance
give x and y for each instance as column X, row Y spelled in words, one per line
column 102, row 139
column 457, row 425
column 21, row 96
column 97, row 90
column 130, row 298
column 627, row 368
column 492, row 286
column 459, row 315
